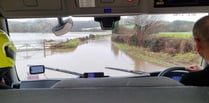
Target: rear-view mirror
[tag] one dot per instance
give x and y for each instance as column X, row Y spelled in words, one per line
column 37, row 69
column 63, row 26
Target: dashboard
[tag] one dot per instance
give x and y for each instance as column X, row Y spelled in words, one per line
column 175, row 75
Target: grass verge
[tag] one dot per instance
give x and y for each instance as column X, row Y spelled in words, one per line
column 71, row 43
column 159, row 58
column 182, row 35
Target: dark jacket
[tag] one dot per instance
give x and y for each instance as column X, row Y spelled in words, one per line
column 200, row 78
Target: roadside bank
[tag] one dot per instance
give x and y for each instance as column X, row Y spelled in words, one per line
column 70, row 43
column 159, row 58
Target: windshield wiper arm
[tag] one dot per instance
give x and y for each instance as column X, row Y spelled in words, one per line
column 64, row 71
column 129, row 71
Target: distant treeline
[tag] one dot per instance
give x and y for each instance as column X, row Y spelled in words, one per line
column 46, row 25
column 176, row 26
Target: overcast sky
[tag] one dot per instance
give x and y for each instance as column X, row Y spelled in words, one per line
column 187, row 17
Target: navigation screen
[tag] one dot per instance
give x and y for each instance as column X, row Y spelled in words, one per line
column 93, row 75
column 181, row 1
column 178, row 3
column 177, row 78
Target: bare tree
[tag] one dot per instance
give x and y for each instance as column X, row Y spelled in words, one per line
column 145, row 25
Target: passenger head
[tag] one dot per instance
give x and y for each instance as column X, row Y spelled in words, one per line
column 201, row 37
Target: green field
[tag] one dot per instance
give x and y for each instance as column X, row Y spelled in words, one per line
column 71, row 43
column 184, row 35
column 129, row 26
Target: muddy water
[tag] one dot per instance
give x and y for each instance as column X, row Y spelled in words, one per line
column 92, row 56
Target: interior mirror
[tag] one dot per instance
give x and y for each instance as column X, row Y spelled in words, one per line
column 37, row 69
column 107, row 23
column 63, row 26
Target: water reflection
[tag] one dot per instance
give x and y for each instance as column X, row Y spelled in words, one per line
column 92, row 56
column 50, row 52
column 115, row 50
column 139, row 65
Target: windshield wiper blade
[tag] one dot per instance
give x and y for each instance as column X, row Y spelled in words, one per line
column 64, row 71
column 129, row 71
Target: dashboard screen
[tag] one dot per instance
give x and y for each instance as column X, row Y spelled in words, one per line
column 93, row 75
column 177, row 78
column 178, row 3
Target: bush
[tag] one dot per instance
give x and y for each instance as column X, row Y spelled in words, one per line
column 169, row 45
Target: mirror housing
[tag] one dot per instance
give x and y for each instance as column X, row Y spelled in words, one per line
column 107, row 23
column 63, row 26
column 37, row 69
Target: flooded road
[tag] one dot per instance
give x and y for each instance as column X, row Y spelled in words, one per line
column 92, row 56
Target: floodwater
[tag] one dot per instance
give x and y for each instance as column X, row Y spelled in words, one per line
column 91, row 56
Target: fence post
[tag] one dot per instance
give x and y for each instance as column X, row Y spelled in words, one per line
column 44, row 43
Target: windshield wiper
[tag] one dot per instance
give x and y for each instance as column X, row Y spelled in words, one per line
column 64, row 71
column 39, row 69
column 129, row 71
